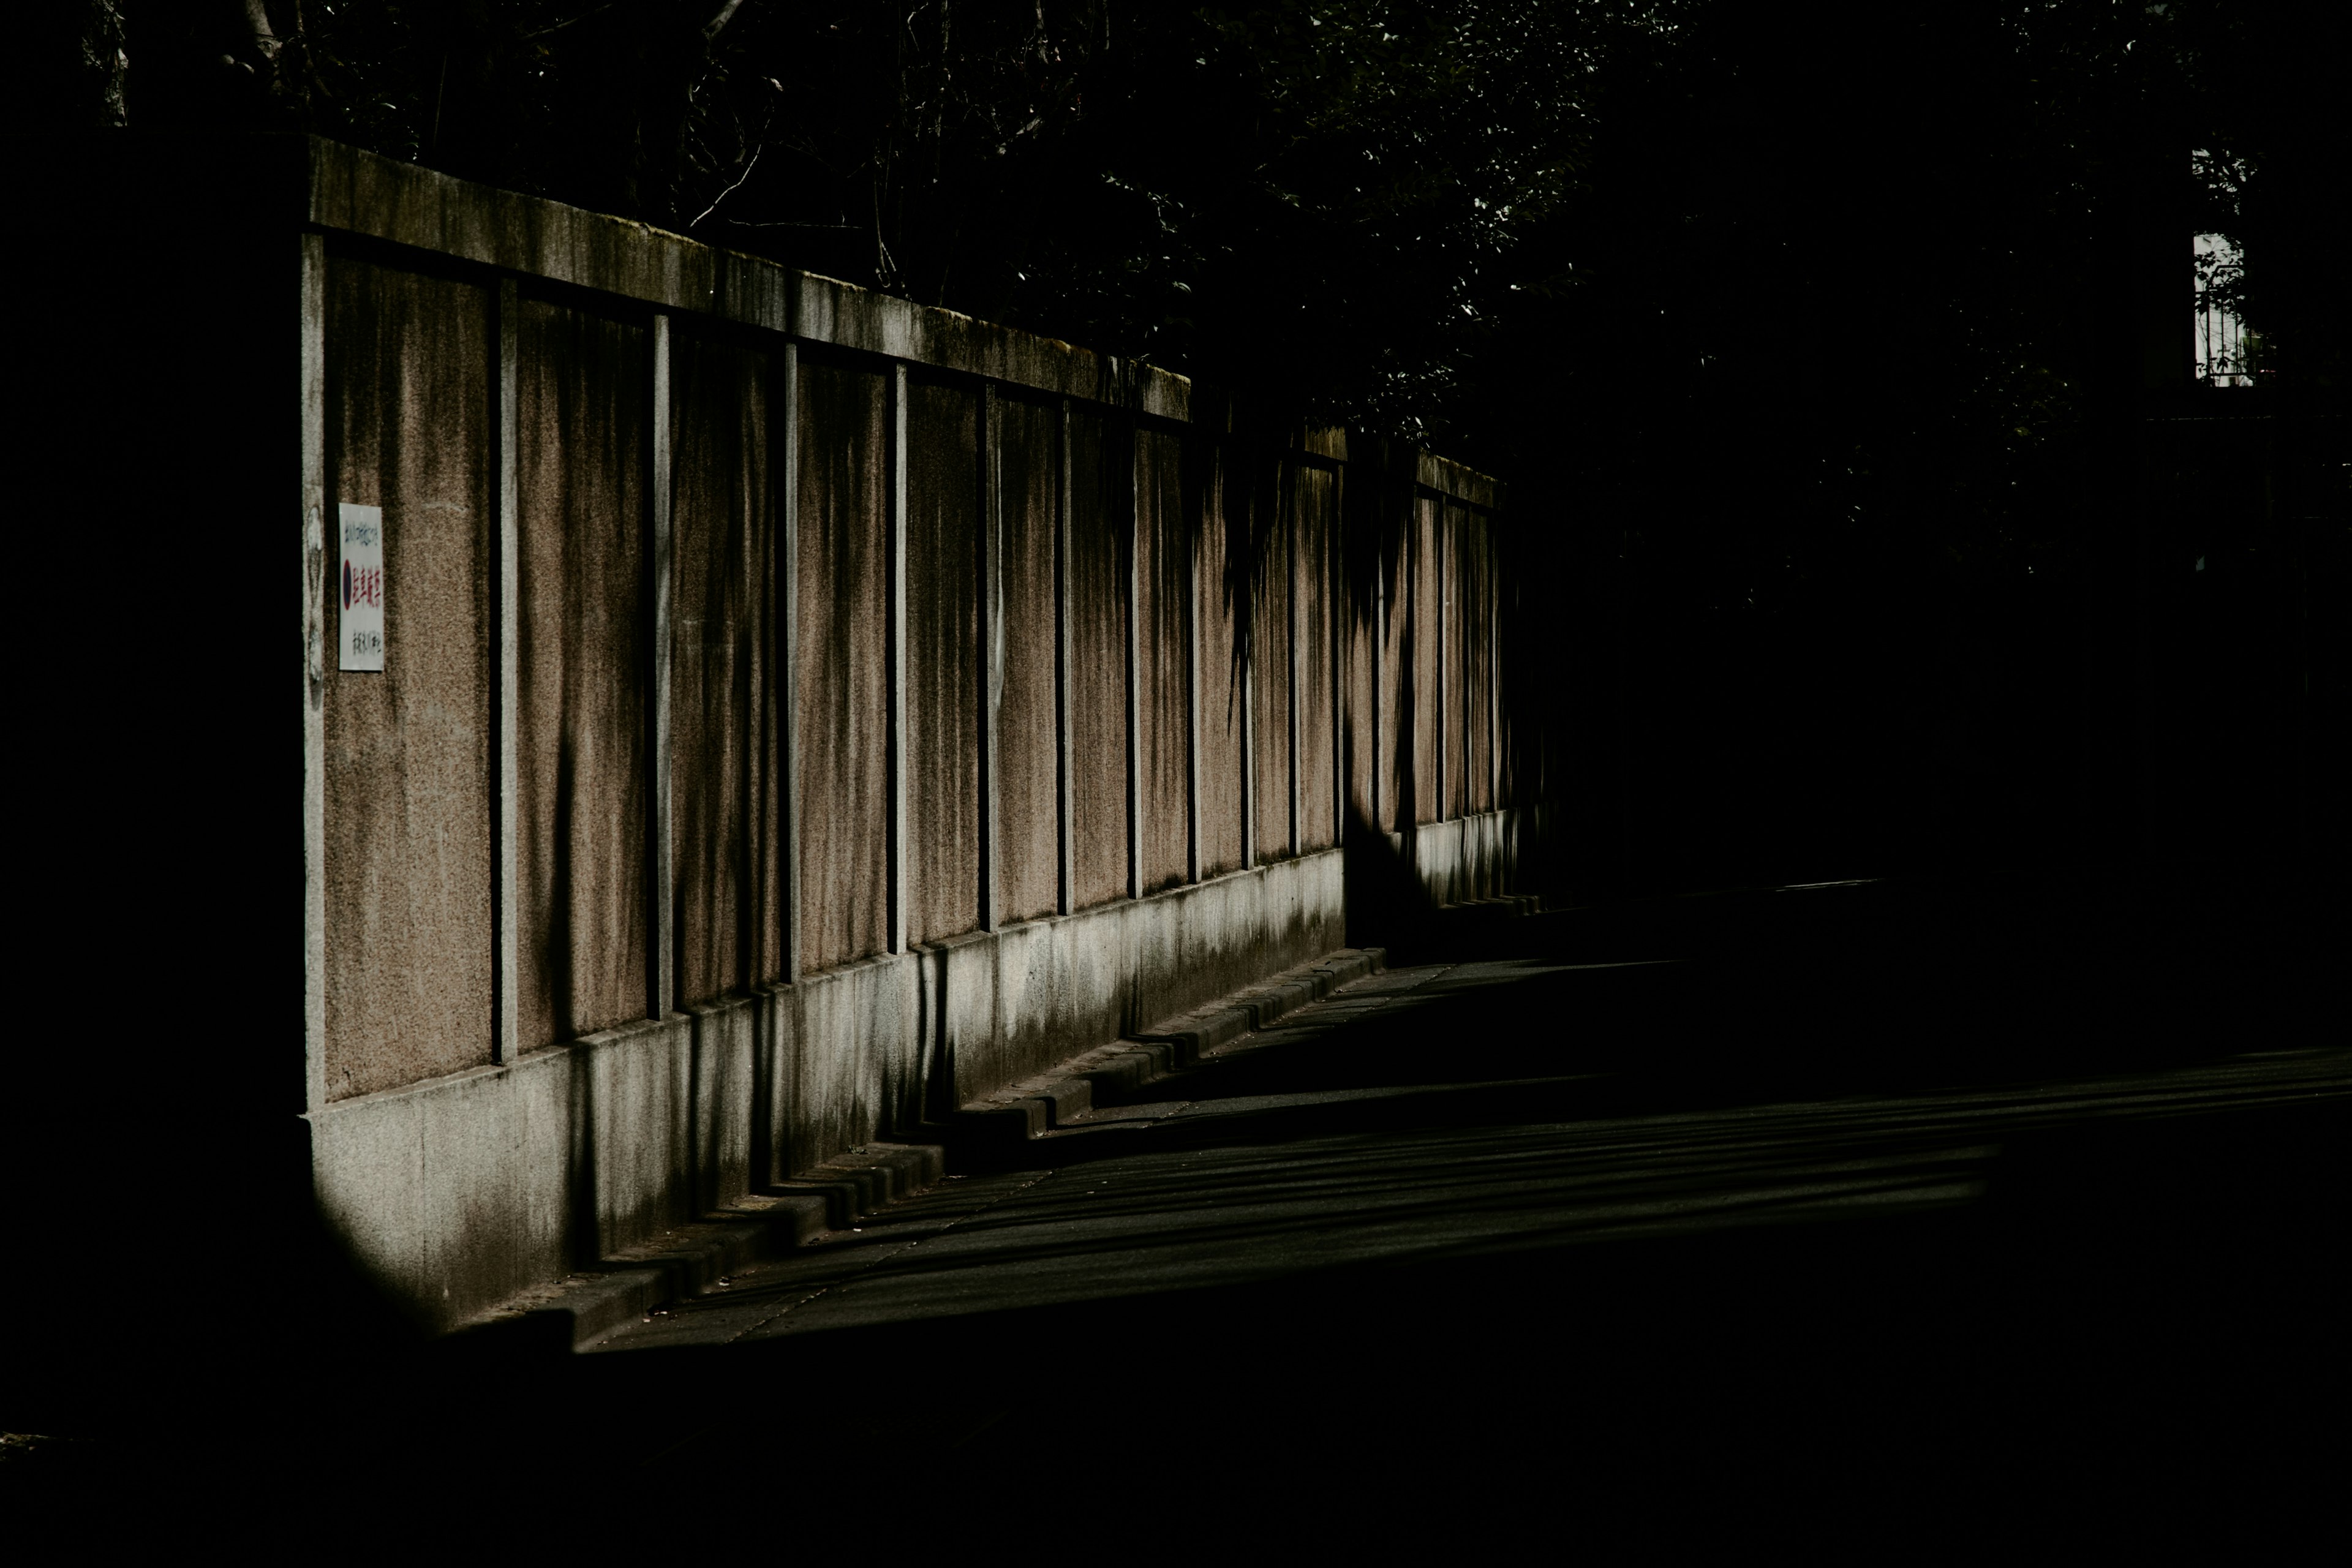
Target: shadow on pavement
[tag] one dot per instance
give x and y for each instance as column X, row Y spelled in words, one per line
column 1979, row 1218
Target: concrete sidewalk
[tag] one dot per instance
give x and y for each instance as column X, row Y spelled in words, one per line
column 1752, row 1217
column 1272, row 1158
column 1849, row 1214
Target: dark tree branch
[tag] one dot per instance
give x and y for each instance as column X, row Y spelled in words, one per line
column 718, row 25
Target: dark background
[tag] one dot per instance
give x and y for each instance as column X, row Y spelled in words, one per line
column 1838, row 361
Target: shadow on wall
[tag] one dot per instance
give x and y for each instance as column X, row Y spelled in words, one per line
column 1387, row 903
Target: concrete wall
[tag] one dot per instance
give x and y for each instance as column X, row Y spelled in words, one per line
column 723, row 705
column 408, row 820
column 1423, row 646
column 1220, row 588
column 945, row 682
column 805, row 712
column 1317, row 698
column 1099, row 557
column 842, row 641
column 583, row 780
column 1266, row 562
column 1163, row 661
column 1024, row 665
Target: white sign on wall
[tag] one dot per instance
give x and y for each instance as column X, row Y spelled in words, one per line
column 361, row 584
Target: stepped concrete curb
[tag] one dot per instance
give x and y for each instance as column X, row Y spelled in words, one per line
column 986, row 1132
column 698, row 1258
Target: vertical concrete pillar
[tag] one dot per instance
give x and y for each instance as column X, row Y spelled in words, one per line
column 660, row 926
column 313, row 397
column 1064, row 779
column 788, row 664
column 1134, row 664
column 895, row 655
column 991, row 653
column 506, row 600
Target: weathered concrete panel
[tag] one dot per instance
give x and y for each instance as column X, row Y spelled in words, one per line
column 1306, row 913
column 408, row 787
column 1449, row 478
column 1028, row 735
column 1101, row 501
column 582, row 785
column 854, row 1061
column 1219, row 504
column 955, row 1015
column 1475, row 856
column 462, row 1190
column 1315, row 514
column 1190, row 947
column 471, row 1164
column 367, row 1169
column 1325, row 441
column 945, row 678
column 722, row 734
column 1476, row 602
column 635, row 1118
column 364, row 192
column 1163, row 546
column 1273, row 599
column 843, row 911
column 1427, row 637
column 556, row 1196
column 1395, row 667
column 1061, row 987
column 1455, row 598
column 661, row 1126
column 722, row 1090
column 1368, row 744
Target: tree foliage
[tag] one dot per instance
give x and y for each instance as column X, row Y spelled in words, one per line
column 1817, row 328
column 1346, row 204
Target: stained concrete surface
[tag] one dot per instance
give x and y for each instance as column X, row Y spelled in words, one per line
column 582, row 382
column 1028, row 726
column 408, row 784
column 1424, row 634
column 1101, row 543
column 1877, row 1217
column 723, row 729
column 842, row 565
column 946, row 684
column 1266, row 562
column 1163, row 552
column 1313, row 519
column 1217, row 507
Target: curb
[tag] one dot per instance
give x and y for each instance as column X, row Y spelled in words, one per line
column 629, row 1285
column 987, row 1129
column 691, row 1259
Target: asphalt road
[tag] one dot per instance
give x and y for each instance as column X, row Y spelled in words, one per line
column 1947, row 1221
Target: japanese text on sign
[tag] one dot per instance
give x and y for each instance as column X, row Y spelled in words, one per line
column 360, row 584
